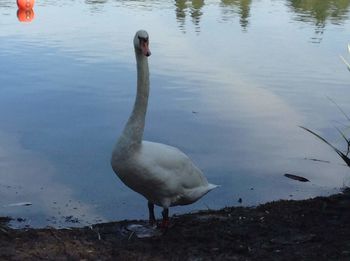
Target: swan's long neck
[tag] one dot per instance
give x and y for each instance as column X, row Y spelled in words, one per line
column 133, row 131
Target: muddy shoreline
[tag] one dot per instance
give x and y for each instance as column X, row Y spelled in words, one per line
column 313, row 229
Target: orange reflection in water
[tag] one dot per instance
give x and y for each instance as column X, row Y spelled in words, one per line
column 25, row 4
column 24, row 15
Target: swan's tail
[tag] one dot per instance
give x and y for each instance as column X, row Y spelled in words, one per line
column 212, row 186
column 192, row 195
column 197, row 193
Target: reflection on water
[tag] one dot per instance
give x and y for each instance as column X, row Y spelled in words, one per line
column 96, row 5
column 92, row 2
column 5, row 7
column 192, row 8
column 310, row 11
column 7, row 3
column 231, row 8
column 319, row 13
column 226, row 92
column 25, row 15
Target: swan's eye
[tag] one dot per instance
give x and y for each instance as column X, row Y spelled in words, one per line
column 143, row 39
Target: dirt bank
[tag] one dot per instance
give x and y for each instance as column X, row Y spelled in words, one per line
column 315, row 229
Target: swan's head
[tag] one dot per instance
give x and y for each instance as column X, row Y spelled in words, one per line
column 141, row 42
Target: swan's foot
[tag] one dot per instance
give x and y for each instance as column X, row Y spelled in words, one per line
column 152, row 219
column 165, row 222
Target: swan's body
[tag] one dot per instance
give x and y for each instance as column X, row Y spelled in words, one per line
column 164, row 175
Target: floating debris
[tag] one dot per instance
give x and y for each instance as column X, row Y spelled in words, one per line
column 71, row 219
column 20, row 204
column 318, row 160
column 295, row 177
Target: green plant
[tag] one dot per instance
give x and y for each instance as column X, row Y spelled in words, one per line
column 343, row 155
column 345, row 61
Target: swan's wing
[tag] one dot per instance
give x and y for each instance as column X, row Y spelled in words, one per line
column 163, row 174
column 169, row 165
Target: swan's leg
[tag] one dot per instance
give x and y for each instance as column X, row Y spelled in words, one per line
column 152, row 218
column 165, row 214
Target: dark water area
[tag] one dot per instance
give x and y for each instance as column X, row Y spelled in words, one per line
column 231, row 81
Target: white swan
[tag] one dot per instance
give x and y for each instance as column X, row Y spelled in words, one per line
column 162, row 174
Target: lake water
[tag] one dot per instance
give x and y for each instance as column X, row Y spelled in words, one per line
column 231, row 81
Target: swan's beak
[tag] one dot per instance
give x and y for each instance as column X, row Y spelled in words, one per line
column 145, row 49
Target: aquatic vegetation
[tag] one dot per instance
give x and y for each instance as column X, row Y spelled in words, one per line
column 343, row 155
column 344, row 60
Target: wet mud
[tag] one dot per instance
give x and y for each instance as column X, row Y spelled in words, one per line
column 314, row 229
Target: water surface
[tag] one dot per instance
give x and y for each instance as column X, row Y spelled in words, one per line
column 231, row 81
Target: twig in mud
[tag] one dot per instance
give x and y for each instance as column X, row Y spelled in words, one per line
column 3, row 230
column 97, row 232
column 132, row 233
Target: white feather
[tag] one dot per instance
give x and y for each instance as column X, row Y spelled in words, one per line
column 164, row 175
